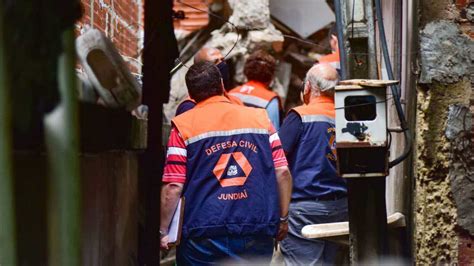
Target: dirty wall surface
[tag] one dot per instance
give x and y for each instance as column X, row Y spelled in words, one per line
column 444, row 164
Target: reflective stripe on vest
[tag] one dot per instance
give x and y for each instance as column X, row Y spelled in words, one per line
column 230, row 178
column 332, row 59
column 254, row 94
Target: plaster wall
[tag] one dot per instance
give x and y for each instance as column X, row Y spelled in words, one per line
column 435, row 219
column 444, row 185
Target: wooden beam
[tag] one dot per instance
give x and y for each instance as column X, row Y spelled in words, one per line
column 62, row 139
column 7, row 209
column 339, row 232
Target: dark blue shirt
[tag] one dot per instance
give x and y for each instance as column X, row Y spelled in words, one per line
column 309, row 146
column 184, row 107
column 290, row 132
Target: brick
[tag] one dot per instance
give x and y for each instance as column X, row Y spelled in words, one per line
column 124, row 38
column 466, row 249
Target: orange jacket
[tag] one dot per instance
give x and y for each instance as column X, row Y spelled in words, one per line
column 231, row 98
column 332, row 59
column 255, row 94
column 230, row 172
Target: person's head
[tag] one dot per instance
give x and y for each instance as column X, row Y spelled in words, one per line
column 209, row 54
column 320, row 80
column 204, row 81
column 260, row 66
column 214, row 55
column 333, row 38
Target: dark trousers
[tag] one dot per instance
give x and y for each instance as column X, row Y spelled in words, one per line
column 298, row 250
column 242, row 250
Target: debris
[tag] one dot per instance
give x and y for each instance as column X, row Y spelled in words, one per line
column 446, row 54
column 107, row 70
column 459, row 120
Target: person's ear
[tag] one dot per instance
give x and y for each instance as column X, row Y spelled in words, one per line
column 333, row 43
column 222, row 86
column 306, row 92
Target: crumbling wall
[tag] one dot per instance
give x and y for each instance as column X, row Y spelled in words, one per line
column 444, row 211
column 436, row 239
column 252, row 19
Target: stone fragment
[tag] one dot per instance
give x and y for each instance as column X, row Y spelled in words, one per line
column 470, row 12
column 446, row 53
column 459, row 120
column 250, row 14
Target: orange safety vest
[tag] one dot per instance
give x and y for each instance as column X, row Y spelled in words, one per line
column 230, row 174
column 313, row 160
column 332, row 59
column 255, row 94
column 231, row 98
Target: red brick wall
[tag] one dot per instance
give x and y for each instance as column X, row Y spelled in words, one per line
column 121, row 21
column 466, row 249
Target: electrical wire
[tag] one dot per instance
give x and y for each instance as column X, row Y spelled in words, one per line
column 218, row 17
column 180, row 62
column 395, row 88
column 363, row 104
column 306, row 41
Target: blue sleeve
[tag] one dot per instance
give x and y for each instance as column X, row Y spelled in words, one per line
column 290, row 132
column 273, row 110
column 184, row 107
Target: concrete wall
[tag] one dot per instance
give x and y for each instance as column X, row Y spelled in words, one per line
column 444, row 207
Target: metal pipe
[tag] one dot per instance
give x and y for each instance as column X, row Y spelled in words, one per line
column 340, row 38
column 62, row 140
column 394, row 88
column 7, row 203
column 372, row 61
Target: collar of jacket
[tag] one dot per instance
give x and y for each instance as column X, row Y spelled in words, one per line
column 213, row 99
column 321, row 99
column 255, row 84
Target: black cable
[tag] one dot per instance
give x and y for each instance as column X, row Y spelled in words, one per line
column 306, row 41
column 340, row 39
column 394, row 88
column 362, row 104
column 180, row 62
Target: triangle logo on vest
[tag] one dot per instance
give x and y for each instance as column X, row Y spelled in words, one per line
column 232, row 169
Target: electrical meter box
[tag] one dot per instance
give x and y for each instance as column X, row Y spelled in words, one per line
column 361, row 128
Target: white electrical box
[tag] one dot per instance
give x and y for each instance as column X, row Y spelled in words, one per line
column 361, row 128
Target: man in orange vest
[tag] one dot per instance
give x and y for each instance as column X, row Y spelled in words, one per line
column 319, row 194
column 259, row 70
column 333, row 58
column 212, row 55
column 227, row 161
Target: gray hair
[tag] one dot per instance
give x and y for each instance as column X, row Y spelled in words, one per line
column 318, row 83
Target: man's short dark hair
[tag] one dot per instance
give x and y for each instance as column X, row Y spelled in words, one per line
column 260, row 66
column 203, row 80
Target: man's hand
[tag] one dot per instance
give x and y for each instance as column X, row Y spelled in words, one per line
column 164, row 242
column 282, row 231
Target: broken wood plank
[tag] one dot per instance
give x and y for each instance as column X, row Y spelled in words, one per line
column 339, row 232
column 369, row 82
